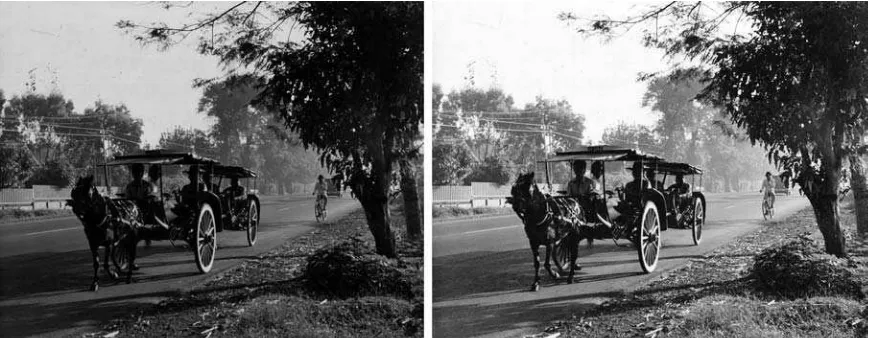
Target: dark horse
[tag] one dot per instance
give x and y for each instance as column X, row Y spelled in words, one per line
column 108, row 223
column 548, row 221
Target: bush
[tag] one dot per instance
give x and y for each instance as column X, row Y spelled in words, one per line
column 352, row 269
column 801, row 269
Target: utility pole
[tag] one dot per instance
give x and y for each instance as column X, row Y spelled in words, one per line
column 546, row 134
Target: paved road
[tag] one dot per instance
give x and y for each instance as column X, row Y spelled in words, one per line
column 482, row 269
column 45, row 268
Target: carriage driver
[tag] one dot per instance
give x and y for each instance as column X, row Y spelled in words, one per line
column 581, row 185
column 143, row 193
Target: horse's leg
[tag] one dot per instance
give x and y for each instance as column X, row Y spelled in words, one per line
column 95, row 255
column 537, row 260
column 575, row 246
column 107, row 257
column 549, row 255
column 131, row 252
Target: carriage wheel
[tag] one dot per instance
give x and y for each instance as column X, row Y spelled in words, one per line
column 206, row 239
column 698, row 221
column 649, row 238
column 253, row 223
column 562, row 256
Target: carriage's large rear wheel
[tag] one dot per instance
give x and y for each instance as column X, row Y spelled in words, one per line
column 253, row 223
column 205, row 240
column 698, row 221
column 649, row 238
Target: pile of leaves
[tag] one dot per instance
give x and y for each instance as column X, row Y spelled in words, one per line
column 352, row 269
column 801, row 269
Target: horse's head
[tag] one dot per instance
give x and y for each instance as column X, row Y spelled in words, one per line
column 526, row 199
column 86, row 202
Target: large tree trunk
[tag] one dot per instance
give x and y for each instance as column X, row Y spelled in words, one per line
column 858, row 169
column 372, row 190
column 413, row 219
column 822, row 190
column 826, row 208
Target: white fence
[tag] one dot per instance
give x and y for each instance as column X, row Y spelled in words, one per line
column 39, row 197
column 478, row 194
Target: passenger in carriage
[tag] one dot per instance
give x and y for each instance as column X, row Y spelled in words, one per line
column 678, row 189
column 635, row 188
column 235, row 193
column 651, row 178
column 188, row 191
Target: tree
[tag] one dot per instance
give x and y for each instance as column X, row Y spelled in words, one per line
column 631, row 136
column 349, row 88
column 797, row 83
column 187, row 140
column 237, row 121
column 681, row 115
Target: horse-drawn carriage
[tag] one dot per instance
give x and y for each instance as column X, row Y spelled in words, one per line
column 194, row 216
column 242, row 212
column 637, row 215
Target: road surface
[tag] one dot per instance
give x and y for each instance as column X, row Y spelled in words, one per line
column 46, row 269
column 483, row 268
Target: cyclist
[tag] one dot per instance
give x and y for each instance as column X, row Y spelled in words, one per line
column 320, row 191
column 767, row 186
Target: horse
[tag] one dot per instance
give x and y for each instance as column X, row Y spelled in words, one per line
column 547, row 221
column 106, row 222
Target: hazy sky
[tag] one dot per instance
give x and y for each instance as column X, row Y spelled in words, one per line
column 77, row 44
column 523, row 48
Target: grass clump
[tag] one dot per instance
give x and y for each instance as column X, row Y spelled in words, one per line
column 452, row 211
column 801, row 269
column 353, row 269
column 14, row 215
column 289, row 316
column 731, row 316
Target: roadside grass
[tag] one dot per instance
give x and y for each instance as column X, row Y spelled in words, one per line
column 273, row 296
column 19, row 215
column 718, row 295
column 450, row 212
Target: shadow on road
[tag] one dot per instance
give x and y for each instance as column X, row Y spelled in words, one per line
column 81, row 312
column 34, row 273
column 501, row 317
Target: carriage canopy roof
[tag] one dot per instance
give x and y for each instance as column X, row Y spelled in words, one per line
column 603, row 153
column 161, row 156
column 233, row 171
column 676, row 168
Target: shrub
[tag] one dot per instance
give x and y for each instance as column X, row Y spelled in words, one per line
column 352, row 269
column 800, row 269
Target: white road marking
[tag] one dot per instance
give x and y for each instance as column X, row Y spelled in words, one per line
column 47, row 231
column 729, row 207
column 479, row 231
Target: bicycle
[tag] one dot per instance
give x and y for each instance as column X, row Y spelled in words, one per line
column 767, row 208
column 320, row 209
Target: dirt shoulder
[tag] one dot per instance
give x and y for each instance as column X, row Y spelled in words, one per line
column 267, row 296
column 715, row 296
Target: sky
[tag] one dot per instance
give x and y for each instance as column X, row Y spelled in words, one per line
column 525, row 50
column 74, row 47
